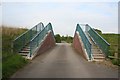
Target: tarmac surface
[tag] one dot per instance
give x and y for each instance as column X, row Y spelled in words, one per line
column 63, row 61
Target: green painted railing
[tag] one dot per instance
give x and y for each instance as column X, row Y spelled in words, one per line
column 85, row 41
column 100, row 41
column 36, row 41
column 25, row 38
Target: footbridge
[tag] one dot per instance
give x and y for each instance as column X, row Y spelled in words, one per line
column 63, row 60
column 34, row 41
column 90, row 44
column 38, row 39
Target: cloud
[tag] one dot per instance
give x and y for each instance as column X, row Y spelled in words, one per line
column 63, row 16
column 60, row 0
column 0, row 15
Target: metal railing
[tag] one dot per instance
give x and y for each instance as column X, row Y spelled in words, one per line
column 101, row 42
column 85, row 41
column 25, row 38
column 36, row 41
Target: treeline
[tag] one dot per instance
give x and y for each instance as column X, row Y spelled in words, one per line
column 66, row 38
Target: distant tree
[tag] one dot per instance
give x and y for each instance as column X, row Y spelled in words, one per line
column 69, row 39
column 98, row 31
column 57, row 38
column 63, row 38
column 66, row 38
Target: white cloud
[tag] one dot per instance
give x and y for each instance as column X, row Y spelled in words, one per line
column 0, row 15
column 60, row 0
column 65, row 16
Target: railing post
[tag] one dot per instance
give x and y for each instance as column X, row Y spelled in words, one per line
column 23, row 40
column 90, row 51
column 12, row 46
column 30, row 43
column 37, row 41
column 30, row 48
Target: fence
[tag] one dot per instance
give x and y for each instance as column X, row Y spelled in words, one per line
column 101, row 42
column 85, row 40
column 25, row 38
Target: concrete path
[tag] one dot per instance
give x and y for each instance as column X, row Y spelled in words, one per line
column 63, row 62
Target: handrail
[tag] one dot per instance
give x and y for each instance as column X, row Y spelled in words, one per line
column 28, row 30
column 102, row 38
column 25, row 38
column 85, row 41
column 36, row 41
column 100, row 41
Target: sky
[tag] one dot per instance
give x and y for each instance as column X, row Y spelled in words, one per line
column 64, row 16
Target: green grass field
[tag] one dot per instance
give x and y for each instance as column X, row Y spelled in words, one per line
column 11, row 62
column 114, row 40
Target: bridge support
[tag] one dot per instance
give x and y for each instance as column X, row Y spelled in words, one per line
column 79, row 46
column 47, row 43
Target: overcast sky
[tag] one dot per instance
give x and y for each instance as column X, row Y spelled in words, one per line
column 64, row 16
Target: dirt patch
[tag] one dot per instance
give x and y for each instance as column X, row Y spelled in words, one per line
column 108, row 63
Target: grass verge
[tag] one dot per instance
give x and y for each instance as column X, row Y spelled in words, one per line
column 114, row 50
column 11, row 62
column 11, row 65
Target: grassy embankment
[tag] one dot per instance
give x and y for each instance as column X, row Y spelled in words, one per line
column 114, row 40
column 11, row 62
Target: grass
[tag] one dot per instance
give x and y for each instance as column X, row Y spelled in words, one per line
column 114, row 41
column 8, row 35
column 114, row 47
column 11, row 62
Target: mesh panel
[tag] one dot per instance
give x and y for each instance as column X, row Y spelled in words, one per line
column 102, row 43
column 25, row 38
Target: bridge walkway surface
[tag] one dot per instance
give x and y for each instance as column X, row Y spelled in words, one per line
column 63, row 62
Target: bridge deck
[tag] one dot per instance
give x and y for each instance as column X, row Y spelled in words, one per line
column 63, row 62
